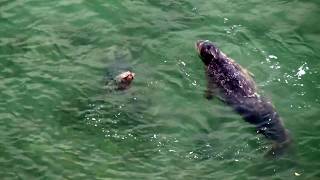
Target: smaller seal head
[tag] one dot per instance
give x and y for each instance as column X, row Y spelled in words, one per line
column 207, row 51
column 124, row 80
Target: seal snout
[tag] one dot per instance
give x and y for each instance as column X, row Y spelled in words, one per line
column 124, row 80
column 127, row 76
column 130, row 76
column 199, row 45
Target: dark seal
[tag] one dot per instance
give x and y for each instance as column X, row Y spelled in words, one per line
column 235, row 86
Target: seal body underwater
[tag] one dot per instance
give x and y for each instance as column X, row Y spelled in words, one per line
column 119, row 75
column 235, row 86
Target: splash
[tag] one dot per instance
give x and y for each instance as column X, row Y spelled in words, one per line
column 183, row 67
column 225, row 20
column 302, row 70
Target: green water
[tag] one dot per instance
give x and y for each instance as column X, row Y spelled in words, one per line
column 57, row 122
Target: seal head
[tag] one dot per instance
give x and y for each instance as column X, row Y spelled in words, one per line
column 124, row 79
column 207, row 51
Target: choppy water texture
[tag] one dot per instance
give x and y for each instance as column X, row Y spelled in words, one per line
column 57, row 122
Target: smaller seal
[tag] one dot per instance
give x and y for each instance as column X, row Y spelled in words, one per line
column 121, row 82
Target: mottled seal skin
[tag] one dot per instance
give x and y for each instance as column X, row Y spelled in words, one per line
column 235, row 86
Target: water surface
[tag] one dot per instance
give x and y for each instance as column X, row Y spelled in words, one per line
column 57, row 122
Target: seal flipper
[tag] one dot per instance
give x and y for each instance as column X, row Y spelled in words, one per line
column 279, row 148
column 209, row 92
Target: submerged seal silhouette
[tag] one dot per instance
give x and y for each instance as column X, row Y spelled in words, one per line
column 235, row 86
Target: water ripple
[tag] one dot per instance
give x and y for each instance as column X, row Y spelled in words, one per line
column 57, row 121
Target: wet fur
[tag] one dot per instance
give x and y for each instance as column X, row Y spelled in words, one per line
column 233, row 84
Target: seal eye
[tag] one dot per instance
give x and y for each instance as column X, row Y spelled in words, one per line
column 210, row 50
